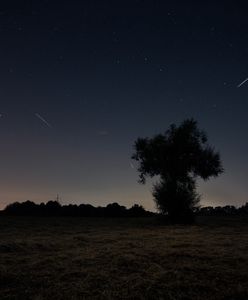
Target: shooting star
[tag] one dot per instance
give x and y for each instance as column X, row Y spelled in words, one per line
column 43, row 120
column 131, row 165
column 243, row 82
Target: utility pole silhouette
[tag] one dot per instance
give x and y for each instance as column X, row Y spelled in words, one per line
column 57, row 198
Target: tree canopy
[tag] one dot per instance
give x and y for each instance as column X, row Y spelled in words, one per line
column 178, row 157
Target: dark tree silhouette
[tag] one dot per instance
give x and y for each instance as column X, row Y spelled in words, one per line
column 137, row 210
column 178, row 157
column 54, row 208
column 115, row 210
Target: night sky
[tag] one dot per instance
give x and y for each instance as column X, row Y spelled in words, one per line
column 81, row 80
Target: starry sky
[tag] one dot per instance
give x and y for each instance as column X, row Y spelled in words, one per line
column 81, row 80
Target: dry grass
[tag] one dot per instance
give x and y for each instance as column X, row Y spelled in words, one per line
column 64, row 258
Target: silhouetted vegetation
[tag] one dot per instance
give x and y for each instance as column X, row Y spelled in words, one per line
column 178, row 157
column 228, row 210
column 54, row 208
column 113, row 210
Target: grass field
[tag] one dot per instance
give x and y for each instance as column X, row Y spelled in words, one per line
column 65, row 258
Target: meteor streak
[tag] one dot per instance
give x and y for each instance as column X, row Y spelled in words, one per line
column 43, row 120
column 243, row 82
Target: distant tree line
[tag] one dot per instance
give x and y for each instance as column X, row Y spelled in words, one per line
column 228, row 210
column 54, row 208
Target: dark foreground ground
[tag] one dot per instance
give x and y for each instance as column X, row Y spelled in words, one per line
column 64, row 258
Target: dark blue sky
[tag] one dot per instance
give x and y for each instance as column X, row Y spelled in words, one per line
column 102, row 73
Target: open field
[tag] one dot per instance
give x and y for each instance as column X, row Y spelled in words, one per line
column 65, row 258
